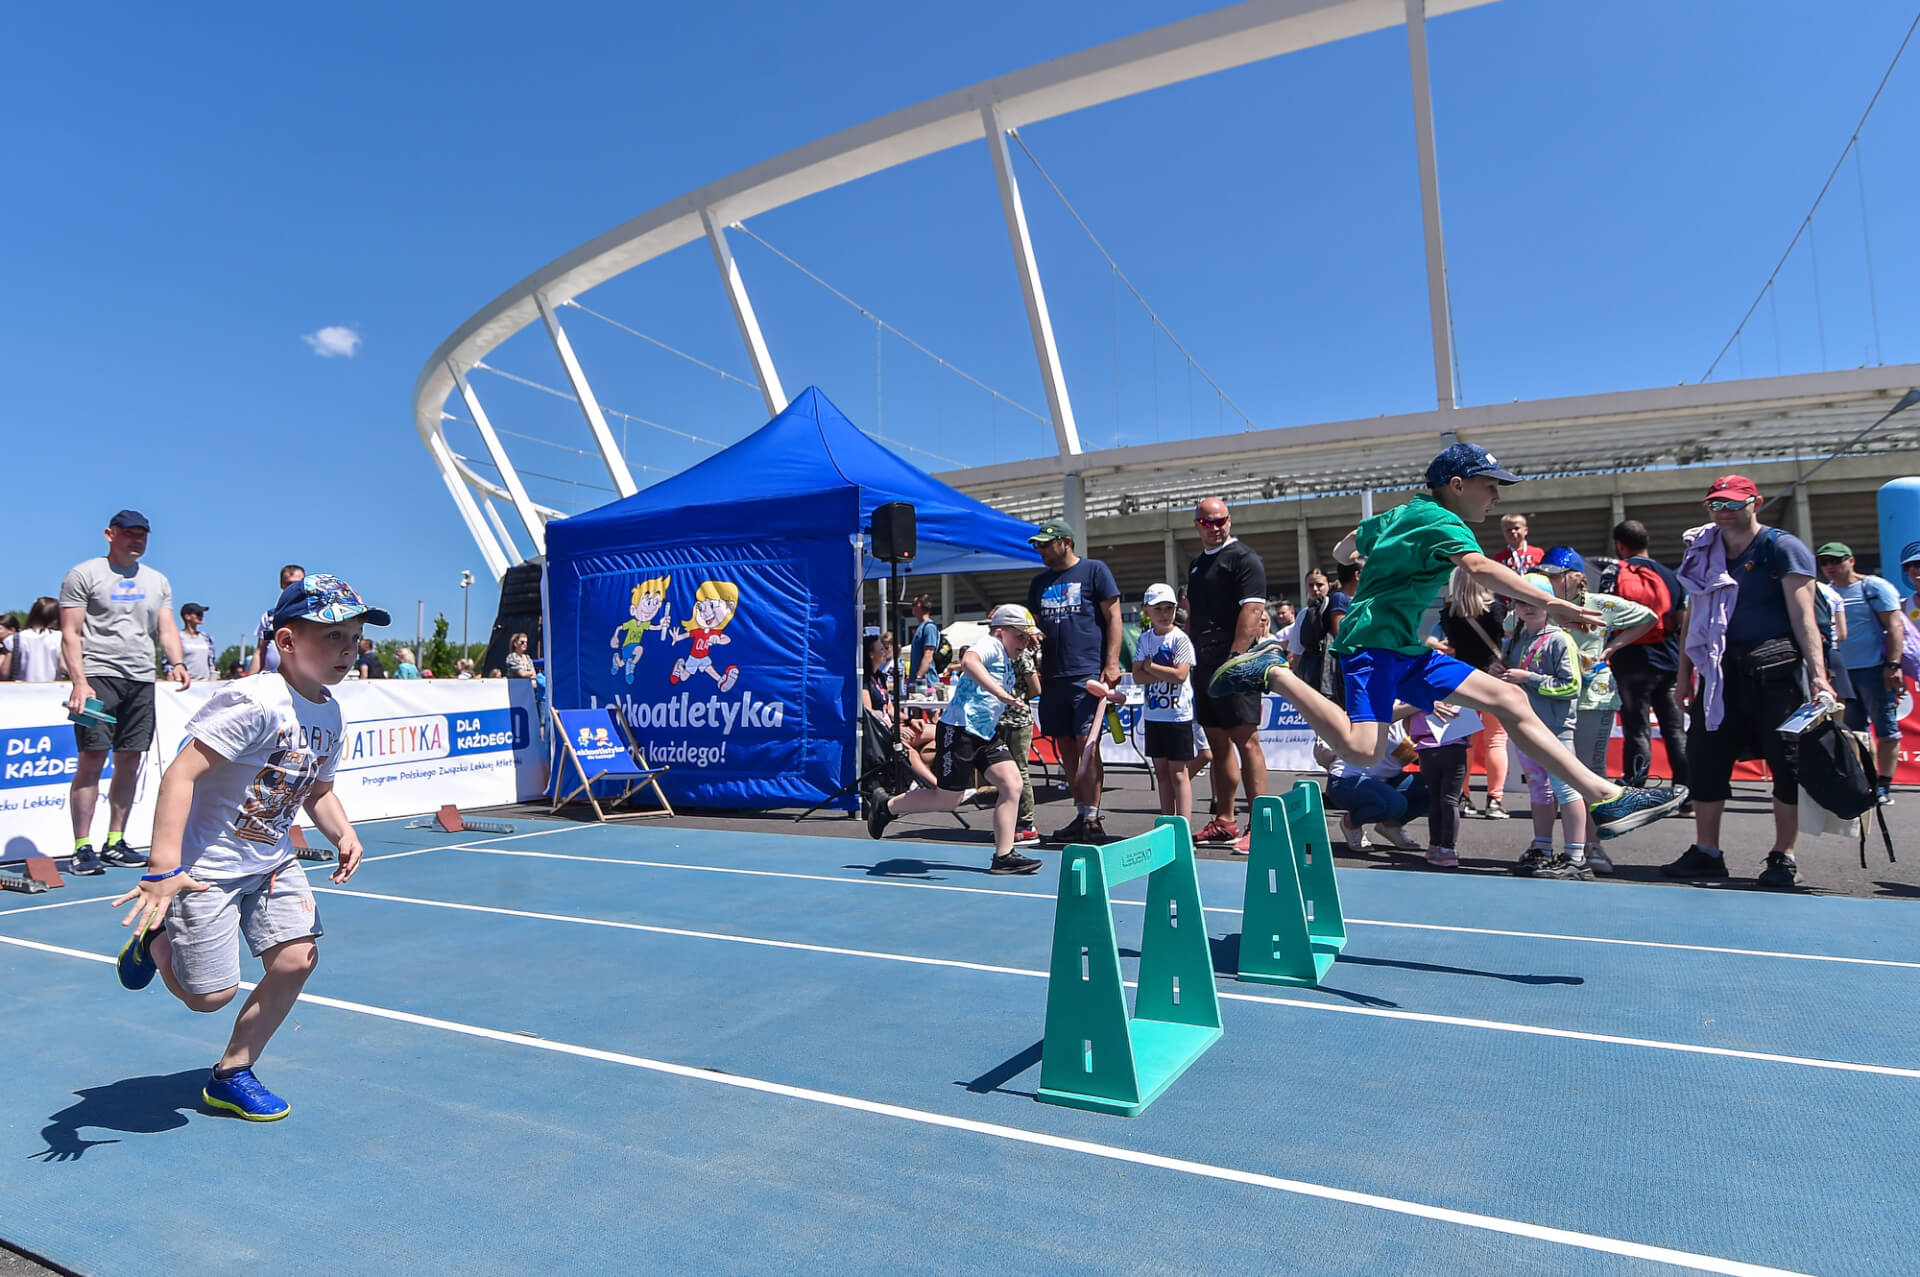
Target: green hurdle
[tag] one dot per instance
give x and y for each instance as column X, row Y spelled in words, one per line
column 1291, row 926
column 1094, row 1056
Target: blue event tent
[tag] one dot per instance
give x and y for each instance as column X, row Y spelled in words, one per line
column 719, row 609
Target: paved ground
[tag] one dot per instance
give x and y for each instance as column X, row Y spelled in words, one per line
column 1829, row 866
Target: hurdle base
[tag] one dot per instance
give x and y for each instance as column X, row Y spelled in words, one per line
column 1324, row 953
column 1162, row 1051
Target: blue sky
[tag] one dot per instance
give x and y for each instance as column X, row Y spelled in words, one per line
column 192, row 191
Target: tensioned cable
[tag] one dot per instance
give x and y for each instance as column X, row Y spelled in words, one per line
column 570, row 397
column 744, row 229
column 635, row 332
column 533, row 474
column 1807, row 221
column 1094, row 240
column 546, row 443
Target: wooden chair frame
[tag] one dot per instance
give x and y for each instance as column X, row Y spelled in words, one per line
column 650, row 779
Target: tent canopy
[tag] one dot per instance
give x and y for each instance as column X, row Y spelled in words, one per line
column 794, row 477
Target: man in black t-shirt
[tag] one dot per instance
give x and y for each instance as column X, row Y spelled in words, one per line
column 1077, row 606
column 1645, row 672
column 1226, row 599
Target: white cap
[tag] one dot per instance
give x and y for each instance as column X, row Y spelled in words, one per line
column 1013, row 617
column 1160, row 593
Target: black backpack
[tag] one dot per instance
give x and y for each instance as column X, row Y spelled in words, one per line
column 1837, row 770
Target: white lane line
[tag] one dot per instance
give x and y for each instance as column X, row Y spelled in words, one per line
column 1018, row 1135
column 1502, row 1026
column 1361, row 922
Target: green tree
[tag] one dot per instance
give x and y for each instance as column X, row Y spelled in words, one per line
column 438, row 654
column 231, row 655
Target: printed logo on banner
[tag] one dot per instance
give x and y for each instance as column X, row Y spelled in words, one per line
column 597, row 745
column 385, row 742
column 39, row 756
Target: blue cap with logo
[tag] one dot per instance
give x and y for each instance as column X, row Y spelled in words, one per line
column 320, row 597
column 130, row 519
column 1562, row 558
column 1466, row 461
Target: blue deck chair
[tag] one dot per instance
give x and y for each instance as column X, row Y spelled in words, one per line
column 599, row 747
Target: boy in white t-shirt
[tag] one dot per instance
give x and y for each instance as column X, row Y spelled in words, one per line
column 1163, row 664
column 222, row 862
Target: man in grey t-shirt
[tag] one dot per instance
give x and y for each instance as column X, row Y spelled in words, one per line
column 111, row 610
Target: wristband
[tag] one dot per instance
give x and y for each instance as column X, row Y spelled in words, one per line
column 178, row 869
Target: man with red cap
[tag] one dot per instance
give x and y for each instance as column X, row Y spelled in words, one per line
column 1753, row 655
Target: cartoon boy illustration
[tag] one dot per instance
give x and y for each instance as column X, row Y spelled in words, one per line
column 715, row 604
column 649, row 600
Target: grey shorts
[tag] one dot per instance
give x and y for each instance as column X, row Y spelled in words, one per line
column 271, row 908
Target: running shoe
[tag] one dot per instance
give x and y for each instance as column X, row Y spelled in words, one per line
column 1218, row 830
column 243, row 1094
column 1885, row 796
column 1781, row 871
column 1013, row 863
column 1695, row 863
column 122, row 856
column 1632, row 808
column 1244, row 847
column 1599, row 861
column 1565, row 867
column 878, row 817
column 1443, row 858
column 1395, row 836
column 1532, row 862
column 1070, row 832
column 1496, row 810
column 1026, row 837
column 135, row 963
column 86, row 862
column 1094, row 834
column 1353, row 835
column 1248, row 671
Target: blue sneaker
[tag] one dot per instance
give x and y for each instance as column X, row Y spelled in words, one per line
column 1247, row 672
column 136, row 961
column 1632, row 808
column 243, row 1094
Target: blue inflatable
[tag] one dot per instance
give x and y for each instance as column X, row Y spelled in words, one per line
column 1899, row 528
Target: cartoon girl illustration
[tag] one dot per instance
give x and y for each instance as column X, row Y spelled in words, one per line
column 715, row 604
column 649, row 600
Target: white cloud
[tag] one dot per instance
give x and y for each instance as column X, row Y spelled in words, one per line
column 335, row 341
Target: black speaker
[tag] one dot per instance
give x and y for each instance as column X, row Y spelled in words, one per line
column 894, row 533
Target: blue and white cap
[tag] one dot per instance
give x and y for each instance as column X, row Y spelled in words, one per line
column 320, row 597
column 1466, row 461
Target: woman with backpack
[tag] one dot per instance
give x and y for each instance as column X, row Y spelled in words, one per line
column 1625, row 623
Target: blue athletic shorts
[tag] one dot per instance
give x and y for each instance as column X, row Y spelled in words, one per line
column 1066, row 709
column 1376, row 678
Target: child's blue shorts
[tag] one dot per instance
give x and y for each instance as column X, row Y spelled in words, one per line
column 1376, row 678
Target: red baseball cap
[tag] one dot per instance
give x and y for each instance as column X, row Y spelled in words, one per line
column 1736, row 487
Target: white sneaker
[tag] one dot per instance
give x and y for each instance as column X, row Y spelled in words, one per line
column 1355, row 836
column 1598, row 862
column 1395, row 836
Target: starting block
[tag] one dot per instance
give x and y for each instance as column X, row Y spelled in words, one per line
column 304, row 850
column 37, row 874
column 1291, row 927
column 449, row 820
column 93, row 715
column 1094, row 1057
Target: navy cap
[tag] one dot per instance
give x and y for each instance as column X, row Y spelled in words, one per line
column 1911, row 554
column 130, row 519
column 1466, row 461
column 1562, row 558
column 320, row 597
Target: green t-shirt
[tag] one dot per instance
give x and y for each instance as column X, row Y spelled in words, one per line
column 1409, row 552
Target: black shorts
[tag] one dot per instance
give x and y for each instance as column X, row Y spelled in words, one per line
column 1067, row 709
column 1239, row 710
column 1172, row 741
column 130, row 701
column 1749, row 728
column 958, row 754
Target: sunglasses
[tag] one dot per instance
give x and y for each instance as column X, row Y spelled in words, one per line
column 1728, row 503
column 1829, row 561
column 1211, row 523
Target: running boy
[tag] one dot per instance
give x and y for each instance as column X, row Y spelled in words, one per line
column 966, row 740
column 1542, row 658
column 1410, row 551
column 1163, row 663
column 222, row 860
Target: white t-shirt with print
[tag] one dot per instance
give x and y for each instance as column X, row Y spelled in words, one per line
column 278, row 745
column 1167, row 702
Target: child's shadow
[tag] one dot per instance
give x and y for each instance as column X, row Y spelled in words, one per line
column 135, row 1105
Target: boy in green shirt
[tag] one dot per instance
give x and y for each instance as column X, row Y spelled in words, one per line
column 1409, row 554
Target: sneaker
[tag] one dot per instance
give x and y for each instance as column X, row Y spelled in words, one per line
column 1244, row 847
column 1353, row 835
column 1218, row 830
column 1443, row 858
column 1248, row 671
column 1073, row 831
column 1598, row 861
column 1632, row 808
column 1695, row 863
column 135, row 963
column 878, row 817
column 1781, row 871
column 243, row 1094
column 86, row 862
column 1532, row 862
column 1024, row 837
column 1013, row 863
column 1886, row 795
column 1563, row 866
column 1395, row 836
column 122, row 856
column 1094, row 834
column 1496, row 810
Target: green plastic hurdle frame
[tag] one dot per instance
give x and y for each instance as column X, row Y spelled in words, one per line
column 1291, row 925
column 1094, row 1057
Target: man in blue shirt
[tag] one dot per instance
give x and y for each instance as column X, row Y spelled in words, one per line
column 1077, row 606
column 1870, row 652
column 925, row 643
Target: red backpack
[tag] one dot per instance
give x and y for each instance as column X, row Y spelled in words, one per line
column 1641, row 584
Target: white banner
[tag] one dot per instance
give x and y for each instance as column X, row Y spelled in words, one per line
column 1285, row 737
column 411, row 745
